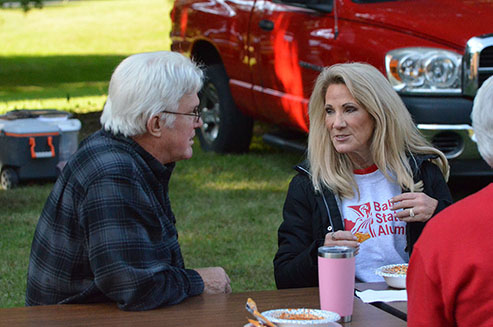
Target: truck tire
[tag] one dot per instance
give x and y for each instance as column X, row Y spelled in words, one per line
column 8, row 179
column 225, row 128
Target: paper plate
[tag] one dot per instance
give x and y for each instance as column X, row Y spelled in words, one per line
column 293, row 317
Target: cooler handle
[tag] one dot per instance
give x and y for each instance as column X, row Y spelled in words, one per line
column 42, row 154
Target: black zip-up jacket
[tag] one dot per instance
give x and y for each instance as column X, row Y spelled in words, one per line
column 308, row 215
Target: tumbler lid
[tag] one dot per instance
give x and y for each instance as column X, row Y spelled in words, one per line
column 335, row 252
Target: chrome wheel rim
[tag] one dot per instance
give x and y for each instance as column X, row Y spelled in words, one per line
column 209, row 103
column 6, row 180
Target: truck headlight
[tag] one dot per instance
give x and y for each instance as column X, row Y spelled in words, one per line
column 424, row 70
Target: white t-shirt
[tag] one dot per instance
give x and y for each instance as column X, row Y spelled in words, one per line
column 371, row 214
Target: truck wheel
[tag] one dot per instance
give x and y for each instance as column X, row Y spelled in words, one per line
column 225, row 128
column 8, row 179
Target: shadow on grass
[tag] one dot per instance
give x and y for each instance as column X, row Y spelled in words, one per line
column 25, row 71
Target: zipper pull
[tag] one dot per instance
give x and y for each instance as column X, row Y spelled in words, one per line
column 329, row 229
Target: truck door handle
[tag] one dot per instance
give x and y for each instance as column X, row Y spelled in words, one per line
column 267, row 25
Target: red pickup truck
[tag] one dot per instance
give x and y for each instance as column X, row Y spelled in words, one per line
column 262, row 57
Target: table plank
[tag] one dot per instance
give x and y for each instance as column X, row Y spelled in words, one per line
column 396, row 308
column 204, row 310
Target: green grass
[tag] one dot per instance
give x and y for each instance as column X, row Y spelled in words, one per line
column 228, row 207
column 18, row 217
column 63, row 55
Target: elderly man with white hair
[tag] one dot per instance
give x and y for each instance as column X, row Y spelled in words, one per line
column 107, row 231
column 449, row 281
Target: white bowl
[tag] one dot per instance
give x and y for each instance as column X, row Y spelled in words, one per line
column 329, row 318
column 392, row 278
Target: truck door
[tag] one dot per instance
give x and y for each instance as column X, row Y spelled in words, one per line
column 289, row 42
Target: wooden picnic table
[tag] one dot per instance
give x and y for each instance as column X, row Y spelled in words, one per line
column 204, row 310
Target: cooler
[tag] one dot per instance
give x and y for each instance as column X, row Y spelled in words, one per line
column 34, row 144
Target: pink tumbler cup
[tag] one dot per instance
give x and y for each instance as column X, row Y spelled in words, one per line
column 336, row 266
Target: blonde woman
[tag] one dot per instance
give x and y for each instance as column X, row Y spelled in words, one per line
column 369, row 172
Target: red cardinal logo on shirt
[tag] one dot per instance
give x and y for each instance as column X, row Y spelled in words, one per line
column 363, row 220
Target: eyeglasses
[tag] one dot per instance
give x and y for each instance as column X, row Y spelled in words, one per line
column 195, row 113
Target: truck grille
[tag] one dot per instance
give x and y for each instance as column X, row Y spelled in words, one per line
column 485, row 65
column 478, row 63
column 449, row 143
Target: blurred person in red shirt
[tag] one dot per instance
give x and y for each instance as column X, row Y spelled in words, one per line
column 450, row 270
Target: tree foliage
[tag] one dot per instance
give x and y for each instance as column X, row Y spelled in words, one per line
column 25, row 4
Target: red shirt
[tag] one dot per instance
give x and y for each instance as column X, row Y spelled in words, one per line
column 450, row 276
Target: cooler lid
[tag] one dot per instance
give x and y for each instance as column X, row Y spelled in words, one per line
column 27, row 126
column 34, row 113
column 65, row 124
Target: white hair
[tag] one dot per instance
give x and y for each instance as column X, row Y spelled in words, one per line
column 145, row 84
column 482, row 120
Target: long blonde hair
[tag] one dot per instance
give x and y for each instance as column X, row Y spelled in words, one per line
column 394, row 138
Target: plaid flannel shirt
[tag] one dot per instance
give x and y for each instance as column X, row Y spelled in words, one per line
column 107, row 232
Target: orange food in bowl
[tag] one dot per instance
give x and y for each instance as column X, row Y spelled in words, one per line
column 298, row 316
column 398, row 270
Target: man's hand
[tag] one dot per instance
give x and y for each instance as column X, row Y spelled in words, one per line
column 215, row 280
